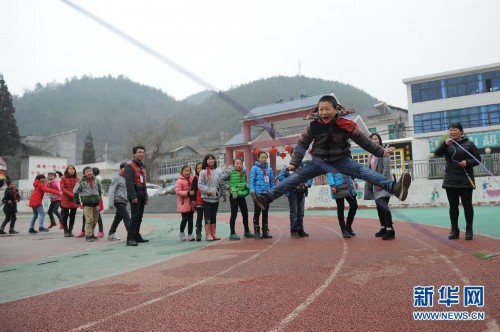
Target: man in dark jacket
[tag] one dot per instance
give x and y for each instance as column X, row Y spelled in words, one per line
column 135, row 178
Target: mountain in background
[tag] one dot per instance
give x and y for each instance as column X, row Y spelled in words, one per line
column 111, row 108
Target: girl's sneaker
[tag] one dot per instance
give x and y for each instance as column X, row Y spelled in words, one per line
column 248, row 234
column 42, row 229
column 234, row 237
column 190, row 237
column 81, row 234
column 182, row 236
column 13, row 232
column 100, row 234
column 32, row 231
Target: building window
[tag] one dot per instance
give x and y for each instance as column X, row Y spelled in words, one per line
column 456, row 86
column 469, row 118
column 372, row 130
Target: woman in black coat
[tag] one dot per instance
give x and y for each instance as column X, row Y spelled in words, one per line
column 459, row 176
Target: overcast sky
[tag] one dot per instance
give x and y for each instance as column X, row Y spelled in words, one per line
column 372, row 45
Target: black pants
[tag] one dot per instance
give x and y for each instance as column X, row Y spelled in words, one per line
column 121, row 214
column 256, row 216
column 454, row 196
column 54, row 209
column 65, row 212
column 384, row 213
column 211, row 212
column 187, row 218
column 199, row 218
column 99, row 224
column 137, row 211
column 241, row 203
column 10, row 216
column 353, row 207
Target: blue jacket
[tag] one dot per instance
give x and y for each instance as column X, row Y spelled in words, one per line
column 300, row 188
column 343, row 183
column 258, row 181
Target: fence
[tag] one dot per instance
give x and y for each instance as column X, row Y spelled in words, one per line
column 434, row 168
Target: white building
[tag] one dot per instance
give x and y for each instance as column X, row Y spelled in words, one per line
column 470, row 96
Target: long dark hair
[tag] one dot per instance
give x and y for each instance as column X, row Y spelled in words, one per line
column 196, row 168
column 66, row 173
column 379, row 138
column 204, row 164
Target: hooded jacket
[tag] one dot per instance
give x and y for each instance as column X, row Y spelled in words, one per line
column 261, row 177
column 343, row 184
column 88, row 191
column 13, row 196
column 37, row 194
column 182, row 188
column 210, row 181
column 382, row 166
column 117, row 192
column 330, row 141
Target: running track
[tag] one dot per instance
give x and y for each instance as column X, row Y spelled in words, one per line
column 321, row 283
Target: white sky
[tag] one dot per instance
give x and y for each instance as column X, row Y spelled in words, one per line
column 372, row 45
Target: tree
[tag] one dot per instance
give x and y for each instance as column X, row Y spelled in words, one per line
column 88, row 154
column 157, row 139
column 9, row 144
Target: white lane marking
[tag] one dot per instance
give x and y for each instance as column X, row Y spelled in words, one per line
column 288, row 319
column 147, row 303
column 490, row 322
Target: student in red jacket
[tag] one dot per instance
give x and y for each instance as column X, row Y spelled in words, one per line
column 68, row 205
column 36, row 202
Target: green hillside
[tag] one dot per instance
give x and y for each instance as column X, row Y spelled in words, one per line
column 112, row 107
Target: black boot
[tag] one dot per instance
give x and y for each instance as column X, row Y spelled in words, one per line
column 454, row 233
column 389, row 234
column 349, row 227
column 381, row 232
column 265, row 233
column 468, row 232
column 345, row 233
column 256, row 230
column 131, row 243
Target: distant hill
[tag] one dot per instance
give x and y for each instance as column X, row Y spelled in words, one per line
column 111, row 107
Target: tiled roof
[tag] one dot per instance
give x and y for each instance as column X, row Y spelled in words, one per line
column 238, row 138
column 284, row 106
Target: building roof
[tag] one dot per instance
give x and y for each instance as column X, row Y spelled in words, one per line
column 452, row 73
column 181, row 148
column 282, row 107
column 238, row 138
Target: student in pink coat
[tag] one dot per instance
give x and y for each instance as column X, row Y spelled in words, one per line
column 185, row 202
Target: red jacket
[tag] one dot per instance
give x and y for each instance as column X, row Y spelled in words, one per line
column 67, row 185
column 37, row 194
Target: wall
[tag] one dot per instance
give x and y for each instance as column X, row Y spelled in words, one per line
column 423, row 192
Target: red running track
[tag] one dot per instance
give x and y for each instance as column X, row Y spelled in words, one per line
column 321, row 283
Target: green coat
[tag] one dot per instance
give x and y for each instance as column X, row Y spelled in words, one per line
column 238, row 183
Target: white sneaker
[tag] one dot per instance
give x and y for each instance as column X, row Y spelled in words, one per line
column 113, row 237
column 182, row 236
column 190, row 237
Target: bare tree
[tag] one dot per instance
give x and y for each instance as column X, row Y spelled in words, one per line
column 157, row 138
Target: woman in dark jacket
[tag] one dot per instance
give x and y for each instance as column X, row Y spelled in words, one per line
column 459, row 176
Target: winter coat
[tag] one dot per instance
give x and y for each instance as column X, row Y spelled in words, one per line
column 13, row 196
column 343, row 184
column 67, row 186
column 382, row 166
column 194, row 187
column 56, row 185
column 182, row 188
column 117, row 192
column 237, row 182
column 330, row 141
column 88, row 192
column 211, row 181
column 301, row 188
column 454, row 175
column 261, row 177
column 135, row 172
column 37, row 194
